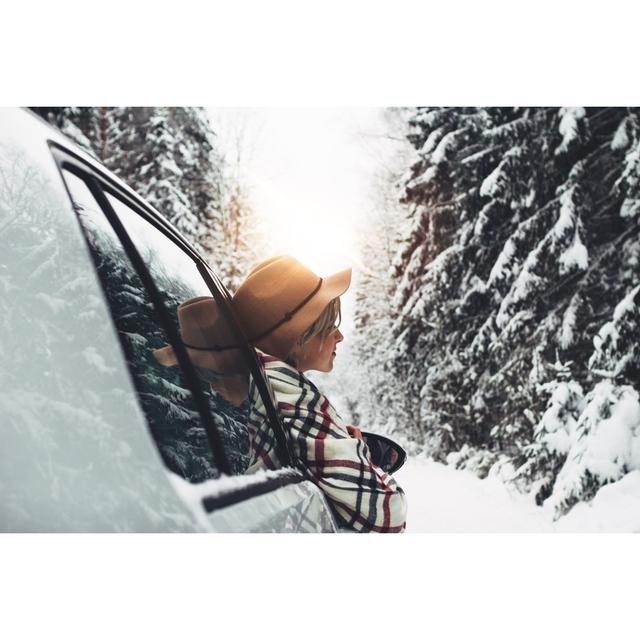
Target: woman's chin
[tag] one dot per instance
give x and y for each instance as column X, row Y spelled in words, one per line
column 323, row 368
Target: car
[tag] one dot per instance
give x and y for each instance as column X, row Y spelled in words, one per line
column 98, row 435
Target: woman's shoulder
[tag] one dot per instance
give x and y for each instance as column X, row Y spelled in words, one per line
column 293, row 386
column 279, row 371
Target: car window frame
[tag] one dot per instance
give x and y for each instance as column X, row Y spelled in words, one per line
column 100, row 183
column 217, row 451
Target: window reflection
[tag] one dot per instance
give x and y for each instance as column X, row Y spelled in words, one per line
column 166, row 400
column 211, row 344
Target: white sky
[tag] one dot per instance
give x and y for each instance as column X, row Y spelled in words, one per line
column 309, row 173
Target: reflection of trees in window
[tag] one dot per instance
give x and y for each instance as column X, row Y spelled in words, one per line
column 168, row 404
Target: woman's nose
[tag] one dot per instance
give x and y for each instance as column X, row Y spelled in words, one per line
column 339, row 337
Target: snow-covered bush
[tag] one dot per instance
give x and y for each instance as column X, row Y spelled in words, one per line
column 606, row 441
column 479, row 461
column 605, row 448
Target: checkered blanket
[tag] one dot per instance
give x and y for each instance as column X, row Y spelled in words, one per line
column 363, row 497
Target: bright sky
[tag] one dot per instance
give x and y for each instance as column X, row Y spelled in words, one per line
column 309, row 173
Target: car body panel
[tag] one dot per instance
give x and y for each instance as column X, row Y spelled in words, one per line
column 295, row 506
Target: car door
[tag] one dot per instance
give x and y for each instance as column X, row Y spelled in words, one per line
column 147, row 271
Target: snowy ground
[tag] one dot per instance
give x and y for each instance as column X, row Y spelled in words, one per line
column 446, row 500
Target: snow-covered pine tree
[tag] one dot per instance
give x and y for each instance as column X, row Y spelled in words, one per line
column 556, row 432
column 86, row 126
column 440, row 297
column 170, row 156
column 609, row 427
column 378, row 400
column 167, row 155
column 242, row 231
column 522, row 226
column 607, row 442
column 239, row 233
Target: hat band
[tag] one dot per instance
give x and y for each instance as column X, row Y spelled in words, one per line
column 214, row 348
column 287, row 316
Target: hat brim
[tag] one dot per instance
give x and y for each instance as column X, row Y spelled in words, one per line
column 336, row 284
column 166, row 356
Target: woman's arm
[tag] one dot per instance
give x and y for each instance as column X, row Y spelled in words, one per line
column 363, row 496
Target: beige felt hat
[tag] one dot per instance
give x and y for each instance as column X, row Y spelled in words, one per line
column 280, row 299
column 277, row 302
column 207, row 336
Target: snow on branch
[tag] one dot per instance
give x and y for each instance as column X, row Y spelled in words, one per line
column 569, row 127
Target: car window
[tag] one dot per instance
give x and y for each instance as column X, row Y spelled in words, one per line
column 215, row 350
column 164, row 394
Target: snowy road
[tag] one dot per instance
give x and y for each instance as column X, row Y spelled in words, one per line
column 443, row 499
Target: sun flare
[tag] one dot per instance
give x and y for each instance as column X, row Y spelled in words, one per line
column 320, row 237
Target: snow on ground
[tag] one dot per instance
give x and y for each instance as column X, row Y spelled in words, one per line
column 615, row 508
column 443, row 499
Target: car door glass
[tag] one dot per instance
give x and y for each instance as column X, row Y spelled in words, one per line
column 214, row 350
column 166, row 400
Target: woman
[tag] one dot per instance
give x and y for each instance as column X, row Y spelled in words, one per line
column 291, row 316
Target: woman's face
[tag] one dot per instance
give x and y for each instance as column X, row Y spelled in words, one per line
column 317, row 357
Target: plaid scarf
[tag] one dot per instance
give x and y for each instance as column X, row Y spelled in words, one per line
column 363, row 497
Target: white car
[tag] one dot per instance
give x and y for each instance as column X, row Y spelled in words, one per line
column 97, row 435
